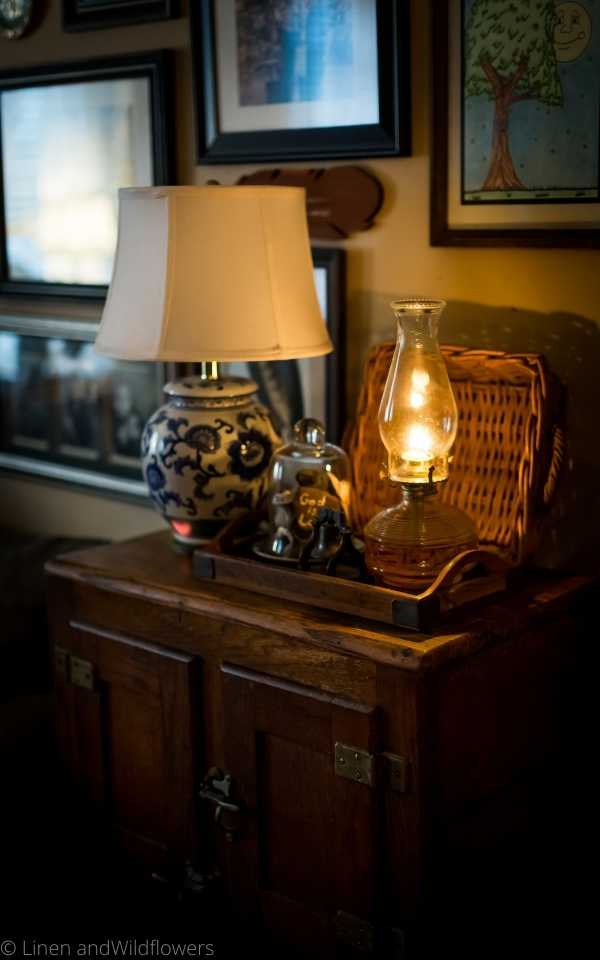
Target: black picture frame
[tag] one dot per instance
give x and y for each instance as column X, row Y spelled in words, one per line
column 98, row 14
column 390, row 137
column 442, row 234
column 333, row 261
column 156, row 66
column 47, row 450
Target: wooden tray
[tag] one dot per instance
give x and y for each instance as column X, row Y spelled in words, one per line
column 229, row 561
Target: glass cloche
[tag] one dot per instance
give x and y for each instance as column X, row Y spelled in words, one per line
column 307, row 475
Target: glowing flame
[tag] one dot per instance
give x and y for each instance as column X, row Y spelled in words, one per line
column 419, row 443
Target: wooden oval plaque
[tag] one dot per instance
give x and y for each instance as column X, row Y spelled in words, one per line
column 339, row 200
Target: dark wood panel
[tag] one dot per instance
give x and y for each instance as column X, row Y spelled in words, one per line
column 403, row 704
column 309, row 836
column 136, row 757
column 313, row 933
column 214, row 639
column 242, row 856
column 296, row 820
column 130, row 742
column 89, row 755
column 122, row 660
column 498, row 715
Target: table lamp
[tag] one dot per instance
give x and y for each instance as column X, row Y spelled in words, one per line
column 408, row 545
column 208, row 275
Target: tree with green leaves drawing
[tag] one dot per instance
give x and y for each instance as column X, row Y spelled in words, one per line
column 510, row 57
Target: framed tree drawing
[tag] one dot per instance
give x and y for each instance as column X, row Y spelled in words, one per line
column 292, row 79
column 516, row 123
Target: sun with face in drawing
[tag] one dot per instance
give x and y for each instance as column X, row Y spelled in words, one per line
column 572, row 31
column 15, row 17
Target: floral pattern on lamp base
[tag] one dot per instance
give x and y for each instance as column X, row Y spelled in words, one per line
column 206, row 455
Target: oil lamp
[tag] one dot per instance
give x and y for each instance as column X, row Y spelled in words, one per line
column 408, row 544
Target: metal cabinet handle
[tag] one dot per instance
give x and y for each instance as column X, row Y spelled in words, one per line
column 216, row 788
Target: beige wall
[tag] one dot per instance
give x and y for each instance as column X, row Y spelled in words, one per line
column 543, row 300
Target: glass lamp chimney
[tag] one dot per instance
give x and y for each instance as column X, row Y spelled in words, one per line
column 417, row 415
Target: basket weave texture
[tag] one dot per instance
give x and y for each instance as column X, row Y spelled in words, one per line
column 508, row 450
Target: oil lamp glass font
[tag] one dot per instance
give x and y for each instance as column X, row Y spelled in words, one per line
column 407, row 545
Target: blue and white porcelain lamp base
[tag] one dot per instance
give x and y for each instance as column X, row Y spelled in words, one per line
column 206, row 454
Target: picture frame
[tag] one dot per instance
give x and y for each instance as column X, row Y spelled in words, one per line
column 68, row 414
column 269, row 88
column 98, row 14
column 314, row 387
column 514, row 209
column 331, row 263
column 100, row 124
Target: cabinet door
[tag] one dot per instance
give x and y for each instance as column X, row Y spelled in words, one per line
column 124, row 712
column 303, row 860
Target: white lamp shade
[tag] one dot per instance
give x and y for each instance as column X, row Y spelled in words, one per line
column 212, row 273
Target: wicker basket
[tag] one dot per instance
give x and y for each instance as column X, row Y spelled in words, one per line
column 508, row 450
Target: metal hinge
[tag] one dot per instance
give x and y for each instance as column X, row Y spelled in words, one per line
column 75, row 670
column 354, row 932
column 354, row 764
column 82, row 673
column 61, row 662
column 361, row 935
column 397, row 944
column 398, row 770
column 359, row 766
